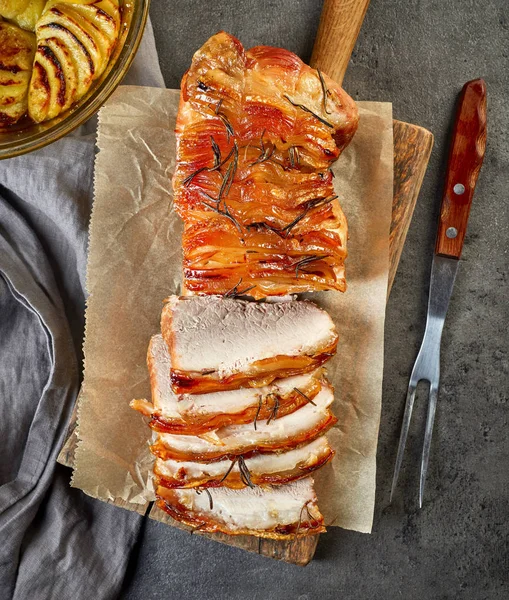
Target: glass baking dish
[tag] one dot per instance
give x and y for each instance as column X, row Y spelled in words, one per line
column 27, row 136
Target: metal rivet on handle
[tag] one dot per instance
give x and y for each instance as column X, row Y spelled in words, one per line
column 451, row 232
column 458, row 189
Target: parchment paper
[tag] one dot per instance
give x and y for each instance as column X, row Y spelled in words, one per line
column 135, row 262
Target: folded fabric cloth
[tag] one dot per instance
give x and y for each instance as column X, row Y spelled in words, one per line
column 55, row 541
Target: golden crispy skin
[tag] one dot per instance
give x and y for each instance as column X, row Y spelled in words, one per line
column 276, row 434
column 74, row 44
column 17, row 48
column 257, row 131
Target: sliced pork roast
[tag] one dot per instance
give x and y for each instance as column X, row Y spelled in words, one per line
column 259, row 469
column 194, row 414
column 299, row 427
column 218, row 343
column 272, row 512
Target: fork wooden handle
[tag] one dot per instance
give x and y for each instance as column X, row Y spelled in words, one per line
column 339, row 27
column 465, row 160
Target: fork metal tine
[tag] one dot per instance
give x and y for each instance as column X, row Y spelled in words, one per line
column 432, row 404
column 404, row 434
column 427, row 363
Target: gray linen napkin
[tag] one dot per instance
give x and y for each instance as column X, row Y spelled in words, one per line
column 55, row 542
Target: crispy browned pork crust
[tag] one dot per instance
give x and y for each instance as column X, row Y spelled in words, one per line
column 257, row 132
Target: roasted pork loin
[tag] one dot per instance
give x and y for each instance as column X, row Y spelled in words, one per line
column 258, row 469
column 218, row 343
column 194, row 414
column 240, row 403
column 257, row 131
column 273, row 512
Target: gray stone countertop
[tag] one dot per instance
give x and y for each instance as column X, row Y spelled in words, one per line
column 417, row 54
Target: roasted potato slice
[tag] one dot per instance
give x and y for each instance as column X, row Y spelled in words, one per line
column 9, row 9
column 27, row 18
column 17, row 48
column 23, row 13
column 74, row 45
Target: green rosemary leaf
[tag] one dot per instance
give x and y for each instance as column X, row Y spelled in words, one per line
column 302, row 107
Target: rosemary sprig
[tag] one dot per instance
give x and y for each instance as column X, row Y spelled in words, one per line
column 245, row 475
column 218, row 106
column 262, row 224
column 324, row 90
column 275, row 409
column 299, row 522
column 228, row 156
column 229, row 470
column 234, row 164
column 199, row 491
column 260, row 401
column 217, row 152
column 307, row 260
column 198, row 527
column 304, row 396
column 265, row 155
column 312, row 520
column 225, row 184
column 208, row 196
column 302, row 107
column 225, row 213
column 297, row 219
column 228, row 126
column 285, row 231
column 217, row 165
column 309, row 205
column 234, row 292
column 293, row 154
column 265, row 152
column 189, row 178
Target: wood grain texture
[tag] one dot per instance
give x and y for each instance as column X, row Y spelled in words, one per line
column 465, row 160
column 412, row 149
column 340, row 23
column 298, row 551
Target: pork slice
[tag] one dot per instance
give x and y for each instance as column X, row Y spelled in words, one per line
column 259, row 469
column 302, row 426
column 274, row 511
column 219, row 343
column 194, row 414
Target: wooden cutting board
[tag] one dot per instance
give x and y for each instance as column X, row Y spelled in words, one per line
column 339, row 27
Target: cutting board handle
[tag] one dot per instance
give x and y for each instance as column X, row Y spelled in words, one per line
column 339, row 27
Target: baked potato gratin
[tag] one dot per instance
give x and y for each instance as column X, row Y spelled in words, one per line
column 51, row 51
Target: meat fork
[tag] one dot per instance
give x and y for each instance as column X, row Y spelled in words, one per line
column 465, row 160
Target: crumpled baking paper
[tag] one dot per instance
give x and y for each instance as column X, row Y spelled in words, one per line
column 135, row 262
